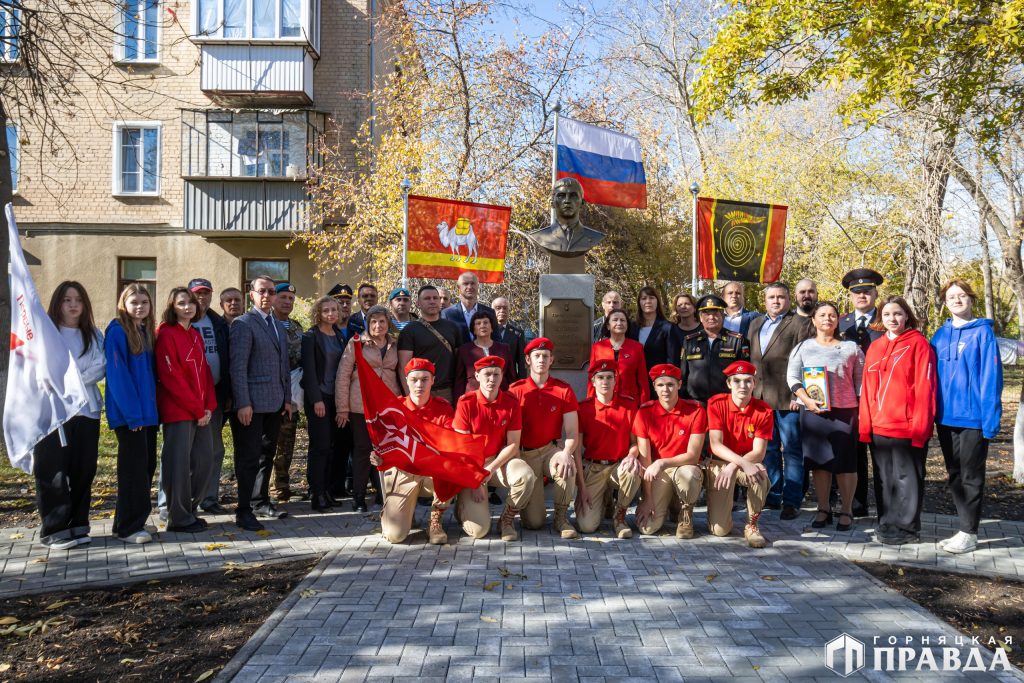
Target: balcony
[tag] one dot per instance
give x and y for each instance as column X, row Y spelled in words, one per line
column 245, row 171
column 257, row 50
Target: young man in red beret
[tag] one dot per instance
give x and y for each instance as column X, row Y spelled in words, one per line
column 610, row 455
column 670, row 435
column 494, row 413
column 401, row 489
column 739, row 429
column 549, row 409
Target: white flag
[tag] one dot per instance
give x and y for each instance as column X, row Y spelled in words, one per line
column 44, row 386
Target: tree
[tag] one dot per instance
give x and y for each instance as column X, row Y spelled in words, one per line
column 940, row 63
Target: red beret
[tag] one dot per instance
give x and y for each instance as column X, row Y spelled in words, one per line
column 490, row 362
column 606, row 365
column 666, row 370
column 420, row 364
column 740, row 367
column 540, row 343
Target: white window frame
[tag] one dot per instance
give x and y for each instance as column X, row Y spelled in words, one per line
column 119, row 126
column 10, row 52
column 14, row 156
column 119, row 39
column 305, row 37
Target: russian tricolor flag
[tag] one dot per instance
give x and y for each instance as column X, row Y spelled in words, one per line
column 606, row 163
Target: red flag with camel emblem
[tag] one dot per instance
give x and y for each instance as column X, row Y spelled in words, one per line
column 402, row 439
column 447, row 238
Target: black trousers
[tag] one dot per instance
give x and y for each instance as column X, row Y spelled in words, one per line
column 324, row 442
column 361, row 449
column 339, row 468
column 136, row 463
column 64, row 479
column 860, row 495
column 965, row 452
column 902, row 468
column 255, row 445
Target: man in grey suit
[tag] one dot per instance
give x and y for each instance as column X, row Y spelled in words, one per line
column 772, row 337
column 510, row 333
column 261, row 386
column 461, row 312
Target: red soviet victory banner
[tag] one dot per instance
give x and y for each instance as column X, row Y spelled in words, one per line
column 740, row 240
column 413, row 445
column 448, row 237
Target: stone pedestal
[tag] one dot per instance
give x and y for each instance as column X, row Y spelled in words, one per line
column 567, row 318
column 568, row 266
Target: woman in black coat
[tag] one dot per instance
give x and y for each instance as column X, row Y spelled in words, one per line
column 322, row 347
column 661, row 339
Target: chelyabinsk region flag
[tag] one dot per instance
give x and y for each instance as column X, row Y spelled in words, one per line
column 449, row 237
column 606, row 163
column 44, row 387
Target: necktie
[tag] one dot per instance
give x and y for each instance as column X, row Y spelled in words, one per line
column 272, row 326
column 861, row 324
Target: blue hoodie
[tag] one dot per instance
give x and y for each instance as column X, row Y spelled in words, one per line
column 970, row 377
column 131, row 382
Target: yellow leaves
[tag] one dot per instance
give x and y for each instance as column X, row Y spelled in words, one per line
column 17, row 536
column 489, row 620
column 491, row 585
column 308, row 593
column 575, row 596
column 899, row 570
column 206, row 674
column 768, row 577
column 232, row 566
column 30, row 629
column 264, row 533
column 60, row 603
column 7, row 621
column 505, row 573
column 129, row 660
column 215, row 546
column 710, row 577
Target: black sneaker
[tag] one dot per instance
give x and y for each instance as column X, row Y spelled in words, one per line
column 193, row 528
column 789, row 512
column 248, row 521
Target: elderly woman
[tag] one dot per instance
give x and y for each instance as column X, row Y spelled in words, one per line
column 482, row 324
column 380, row 351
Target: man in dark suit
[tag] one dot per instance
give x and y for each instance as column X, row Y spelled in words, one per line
column 772, row 338
column 510, row 333
column 862, row 283
column 461, row 312
column 367, row 296
column 737, row 318
column 261, row 386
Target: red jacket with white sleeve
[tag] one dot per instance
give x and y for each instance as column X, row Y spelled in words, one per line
column 897, row 398
column 184, row 387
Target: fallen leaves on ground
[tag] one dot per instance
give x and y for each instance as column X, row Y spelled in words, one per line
column 216, row 546
column 505, row 573
column 17, row 536
column 264, row 533
column 489, row 620
column 308, row 593
column 490, row 585
column 710, row 577
column 575, row 596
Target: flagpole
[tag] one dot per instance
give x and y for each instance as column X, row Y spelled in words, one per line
column 694, row 189
column 554, row 155
column 406, row 186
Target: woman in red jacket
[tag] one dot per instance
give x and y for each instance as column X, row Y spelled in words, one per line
column 897, row 409
column 185, row 400
column 631, row 377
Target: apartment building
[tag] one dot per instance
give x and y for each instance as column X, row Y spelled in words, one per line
column 205, row 174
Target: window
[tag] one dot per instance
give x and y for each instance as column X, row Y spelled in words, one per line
column 138, row 37
column 264, row 19
column 137, row 158
column 10, row 25
column 12, row 149
column 141, row 270
column 250, row 144
column 277, row 268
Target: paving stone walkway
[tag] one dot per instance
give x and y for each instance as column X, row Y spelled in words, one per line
column 593, row 609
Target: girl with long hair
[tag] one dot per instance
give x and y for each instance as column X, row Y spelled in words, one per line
column 186, row 399
column 131, row 409
column 64, row 474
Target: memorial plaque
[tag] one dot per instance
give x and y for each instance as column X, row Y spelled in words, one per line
column 568, row 323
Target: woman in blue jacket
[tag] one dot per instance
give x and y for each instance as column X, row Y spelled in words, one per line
column 969, row 406
column 131, row 410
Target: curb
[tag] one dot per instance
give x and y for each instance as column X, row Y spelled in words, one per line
column 252, row 645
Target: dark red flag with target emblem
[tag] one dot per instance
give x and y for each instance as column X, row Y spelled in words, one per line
column 740, row 240
column 455, row 461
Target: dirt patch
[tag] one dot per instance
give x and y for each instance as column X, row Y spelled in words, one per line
column 974, row 605
column 168, row 630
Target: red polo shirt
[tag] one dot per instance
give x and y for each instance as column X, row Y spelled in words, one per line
column 739, row 426
column 437, row 410
column 631, row 377
column 494, row 419
column 669, row 431
column 543, row 408
column 606, row 428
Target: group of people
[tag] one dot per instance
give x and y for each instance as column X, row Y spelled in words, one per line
column 717, row 397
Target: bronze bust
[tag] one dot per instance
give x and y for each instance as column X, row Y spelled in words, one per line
column 566, row 237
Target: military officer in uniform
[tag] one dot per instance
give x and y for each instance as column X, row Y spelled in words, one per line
column 855, row 326
column 709, row 351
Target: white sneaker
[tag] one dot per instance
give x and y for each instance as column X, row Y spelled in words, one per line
column 961, row 543
column 137, row 537
column 83, row 540
column 943, row 542
column 62, row 544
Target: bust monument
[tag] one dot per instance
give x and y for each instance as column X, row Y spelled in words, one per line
column 567, row 237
